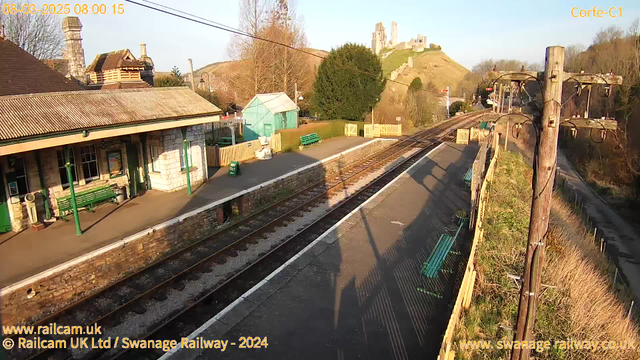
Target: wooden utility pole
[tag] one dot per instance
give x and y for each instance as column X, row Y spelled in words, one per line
column 544, row 167
column 544, row 176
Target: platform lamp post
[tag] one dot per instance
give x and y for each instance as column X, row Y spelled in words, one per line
column 72, row 192
column 203, row 82
column 186, row 158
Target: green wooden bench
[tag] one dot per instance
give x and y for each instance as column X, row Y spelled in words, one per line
column 86, row 199
column 224, row 141
column 432, row 266
column 309, row 139
column 467, row 176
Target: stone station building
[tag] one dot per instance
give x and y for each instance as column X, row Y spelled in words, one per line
column 131, row 140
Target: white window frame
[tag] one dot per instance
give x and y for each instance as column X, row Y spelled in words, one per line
column 94, row 159
column 72, row 155
column 189, row 156
column 155, row 157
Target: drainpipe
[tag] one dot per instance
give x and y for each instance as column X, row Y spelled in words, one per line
column 147, row 181
column 74, row 204
column 186, row 158
column 45, row 193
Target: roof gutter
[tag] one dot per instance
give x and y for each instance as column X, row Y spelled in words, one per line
column 83, row 135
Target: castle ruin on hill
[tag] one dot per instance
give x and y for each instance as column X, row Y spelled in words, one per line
column 379, row 40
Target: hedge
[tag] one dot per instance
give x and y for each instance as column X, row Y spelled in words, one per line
column 325, row 129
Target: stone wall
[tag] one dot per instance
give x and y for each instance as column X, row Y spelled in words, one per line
column 169, row 176
column 86, row 275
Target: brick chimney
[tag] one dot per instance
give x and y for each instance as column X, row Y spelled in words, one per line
column 74, row 53
column 147, row 73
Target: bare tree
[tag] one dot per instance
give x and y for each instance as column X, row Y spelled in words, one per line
column 265, row 66
column 38, row 34
column 609, row 34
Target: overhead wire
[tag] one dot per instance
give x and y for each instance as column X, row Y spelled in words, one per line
column 203, row 21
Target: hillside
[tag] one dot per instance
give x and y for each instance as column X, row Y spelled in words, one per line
column 430, row 66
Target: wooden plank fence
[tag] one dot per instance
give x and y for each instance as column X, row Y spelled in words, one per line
column 378, row 130
column 350, row 130
column 223, row 156
column 465, row 293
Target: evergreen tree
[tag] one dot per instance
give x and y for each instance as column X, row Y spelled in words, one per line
column 348, row 84
column 173, row 79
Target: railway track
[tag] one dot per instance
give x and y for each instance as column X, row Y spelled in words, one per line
column 193, row 266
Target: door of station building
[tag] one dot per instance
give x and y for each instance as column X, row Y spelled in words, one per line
column 132, row 164
column 5, row 221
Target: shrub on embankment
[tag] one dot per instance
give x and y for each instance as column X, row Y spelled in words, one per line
column 581, row 306
column 325, row 129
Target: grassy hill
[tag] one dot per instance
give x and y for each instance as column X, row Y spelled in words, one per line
column 430, row 66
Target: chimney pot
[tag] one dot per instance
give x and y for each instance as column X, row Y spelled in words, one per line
column 143, row 50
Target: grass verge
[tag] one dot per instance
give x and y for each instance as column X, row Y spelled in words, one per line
column 325, row 129
column 581, row 306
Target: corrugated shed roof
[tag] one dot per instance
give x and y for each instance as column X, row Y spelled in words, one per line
column 39, row 114
column 275, row 102
column 22, row 73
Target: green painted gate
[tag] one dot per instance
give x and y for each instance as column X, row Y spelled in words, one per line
column 132, row 160
column 5, row 221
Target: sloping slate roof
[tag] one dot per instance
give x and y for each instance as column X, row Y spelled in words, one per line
column 39, row 114
column 275, row 102
column 113, row 60
column 22, row 73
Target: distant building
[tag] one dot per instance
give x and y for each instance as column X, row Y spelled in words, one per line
column 113, row 70
column 266, row 113
column 120, row 70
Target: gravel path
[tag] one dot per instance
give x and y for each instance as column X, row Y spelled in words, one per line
column 622, row 237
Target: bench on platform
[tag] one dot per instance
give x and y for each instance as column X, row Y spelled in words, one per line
column 309, row 139
column 432, row 266
column 467, row 176
column 225, row 141
column 86, row 199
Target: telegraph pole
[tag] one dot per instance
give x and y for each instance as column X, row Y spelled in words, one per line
column 544, row 175
column 544, row 166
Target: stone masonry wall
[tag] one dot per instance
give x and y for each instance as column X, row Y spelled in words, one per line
column 92, row 272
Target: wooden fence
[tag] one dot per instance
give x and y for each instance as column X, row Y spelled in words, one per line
column 223, row 156
column 465, row 294
column 214, row 131
column 378, row 130
column 350, row 129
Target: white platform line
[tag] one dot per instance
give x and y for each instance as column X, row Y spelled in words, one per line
column 257, row 286
column 122, row 243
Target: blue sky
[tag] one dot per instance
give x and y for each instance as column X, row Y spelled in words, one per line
column 469, row 31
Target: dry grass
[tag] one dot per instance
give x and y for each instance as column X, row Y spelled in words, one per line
column 582, row 306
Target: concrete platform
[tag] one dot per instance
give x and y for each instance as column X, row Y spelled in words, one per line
column 353, row 292
column 29, row 252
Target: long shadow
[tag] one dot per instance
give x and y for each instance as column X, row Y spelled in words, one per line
column 398, row 321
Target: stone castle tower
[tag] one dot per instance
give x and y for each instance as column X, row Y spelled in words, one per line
column 74, row 53
column 378, row 39
column 394, row 34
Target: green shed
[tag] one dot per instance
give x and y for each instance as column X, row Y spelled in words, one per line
column 266, row 113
